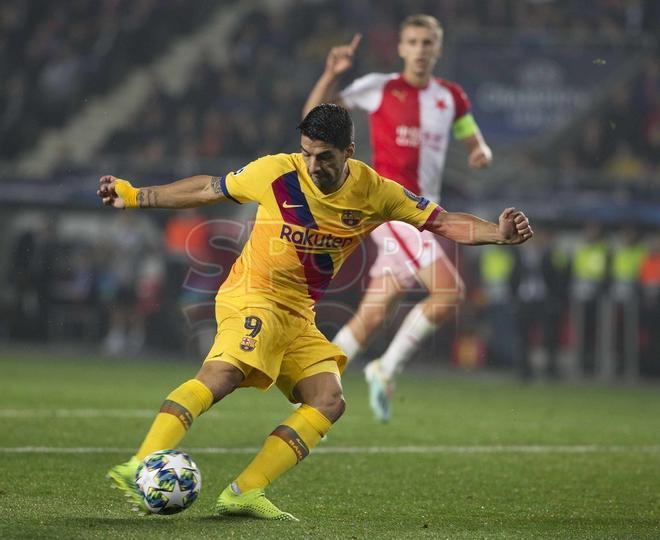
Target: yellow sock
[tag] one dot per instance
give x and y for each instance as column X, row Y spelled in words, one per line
column 176, row 415
column 289, row 443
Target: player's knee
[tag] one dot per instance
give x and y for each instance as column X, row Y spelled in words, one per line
column 448, row 298
column 336, row 408
column 219, row 388
column 331, row 405
column 220, row 378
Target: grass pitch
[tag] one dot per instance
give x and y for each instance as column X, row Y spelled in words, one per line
column 464, row 457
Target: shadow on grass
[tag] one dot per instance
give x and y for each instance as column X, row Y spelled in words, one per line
column 208, row 526
column 163, row 520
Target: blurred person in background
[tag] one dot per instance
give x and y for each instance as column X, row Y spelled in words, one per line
column 498, row 268
column 150, row 282
column 32, row 263
column 134, row 238
column 189, row 257
column 627, row 258
column 412, row 115
column 650, row 283
column 589, row 276
column 540, row 294
column 74, row 305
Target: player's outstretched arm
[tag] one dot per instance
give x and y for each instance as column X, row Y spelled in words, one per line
column 186, row 193
column 339, row 60
column 513, row 228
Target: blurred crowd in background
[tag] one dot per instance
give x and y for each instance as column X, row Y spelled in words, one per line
column 623, row 140
column 582, row 298
column 55, row 59
column 568, row 304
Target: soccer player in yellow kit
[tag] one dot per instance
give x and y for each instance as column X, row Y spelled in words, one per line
column 315, row 207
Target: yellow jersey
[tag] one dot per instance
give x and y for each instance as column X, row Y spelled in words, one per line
column 301, row 235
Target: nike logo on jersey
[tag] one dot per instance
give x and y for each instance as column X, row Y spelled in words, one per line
column 287, row 205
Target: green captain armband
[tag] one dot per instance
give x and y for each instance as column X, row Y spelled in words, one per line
column 127, row 192
column 464, row 127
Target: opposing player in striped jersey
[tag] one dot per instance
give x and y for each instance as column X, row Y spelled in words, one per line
column 412, row 116
column 315, row 207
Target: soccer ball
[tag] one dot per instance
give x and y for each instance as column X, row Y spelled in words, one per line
column 169, row 481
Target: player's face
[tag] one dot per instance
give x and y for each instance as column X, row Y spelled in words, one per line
column 419, row 47
column 326, row 164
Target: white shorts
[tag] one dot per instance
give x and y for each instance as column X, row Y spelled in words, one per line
column 403, row 251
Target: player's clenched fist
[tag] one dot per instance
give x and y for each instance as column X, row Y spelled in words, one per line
column 480, row 157
column 107, row 192
column 514, row 226
column 116, row 192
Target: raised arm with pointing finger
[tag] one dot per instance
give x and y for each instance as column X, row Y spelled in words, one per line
column 339, row 60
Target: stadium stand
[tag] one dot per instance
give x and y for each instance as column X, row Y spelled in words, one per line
column 54, row 58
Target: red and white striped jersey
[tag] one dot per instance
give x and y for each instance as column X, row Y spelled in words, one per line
column 410, row 126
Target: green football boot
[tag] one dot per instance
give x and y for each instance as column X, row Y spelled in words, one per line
column 252, row 503
column 123, row 477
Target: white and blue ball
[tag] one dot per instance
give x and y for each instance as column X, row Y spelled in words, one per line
column 169, row 480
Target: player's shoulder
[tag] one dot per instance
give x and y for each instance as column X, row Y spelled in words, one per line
column 276, row 163
column 447, row 83
column 362, row 171
column 278, row 159
column 369, row 180
column 373, row 80
column 459, row 95
column 454, row 87
column 370, row 191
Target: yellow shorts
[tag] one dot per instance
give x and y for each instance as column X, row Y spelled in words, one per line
column 278, row 345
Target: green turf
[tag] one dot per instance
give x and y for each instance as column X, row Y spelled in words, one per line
column 609, row 490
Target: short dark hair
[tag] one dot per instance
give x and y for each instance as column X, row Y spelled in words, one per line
column 329, row 123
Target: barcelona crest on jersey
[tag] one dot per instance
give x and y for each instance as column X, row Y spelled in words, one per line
column 351, row 218
column 248, row 344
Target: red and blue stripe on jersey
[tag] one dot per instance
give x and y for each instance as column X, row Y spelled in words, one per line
column 294, row 207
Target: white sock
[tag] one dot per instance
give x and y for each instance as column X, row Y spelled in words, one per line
column 347, row 342
column 415, row 327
